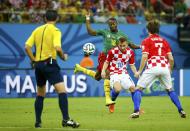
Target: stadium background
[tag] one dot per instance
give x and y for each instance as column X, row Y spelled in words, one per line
column 19, row 17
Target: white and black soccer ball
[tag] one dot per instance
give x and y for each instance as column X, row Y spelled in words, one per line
column 89, row 48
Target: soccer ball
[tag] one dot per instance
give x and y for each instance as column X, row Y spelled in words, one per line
column 89, row 48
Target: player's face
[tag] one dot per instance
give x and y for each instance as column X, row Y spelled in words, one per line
column 123, row 45
column 113, row 25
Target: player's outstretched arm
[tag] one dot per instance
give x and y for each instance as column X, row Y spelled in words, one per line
column 143, row 62
column 134, row 70
column 88, row 25
column 134, row 46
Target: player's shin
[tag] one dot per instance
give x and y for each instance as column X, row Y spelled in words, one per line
column 175, row 100
column 107, row 92
column 63, row 105
column 114, row 94
column 38, row 108
column 136, row 97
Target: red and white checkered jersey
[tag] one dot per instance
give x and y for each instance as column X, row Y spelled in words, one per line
column 157, row 49
column 118, row 60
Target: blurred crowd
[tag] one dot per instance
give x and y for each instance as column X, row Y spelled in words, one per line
column 125, row 11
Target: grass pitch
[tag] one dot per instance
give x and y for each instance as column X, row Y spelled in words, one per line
column 160, row 115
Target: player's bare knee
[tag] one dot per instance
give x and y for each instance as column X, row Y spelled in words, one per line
column 117, row 89
column 132, row 89
column 41, row 91
column 60, row 87
column 98, row 77
column 139, row 88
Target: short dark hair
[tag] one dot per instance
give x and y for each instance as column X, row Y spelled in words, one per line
column 51, row 15
column 112, row 18
column 121, row 40
column 153, row 26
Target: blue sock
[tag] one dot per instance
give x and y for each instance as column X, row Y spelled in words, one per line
column 114, row 94
column 136, row 97
column 38, row 105
column 132, row 96
column 63, row 105
column 175, row 100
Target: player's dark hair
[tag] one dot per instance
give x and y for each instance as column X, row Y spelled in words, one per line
column 113, row 19
column 51, row 15
column 121, row 40
column 153, row 26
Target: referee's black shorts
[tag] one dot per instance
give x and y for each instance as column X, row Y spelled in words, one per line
column 47, row 70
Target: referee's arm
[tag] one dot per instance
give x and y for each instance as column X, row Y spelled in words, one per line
column 60, row 53
column 29, row 53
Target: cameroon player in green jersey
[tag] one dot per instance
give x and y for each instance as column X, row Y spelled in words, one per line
column 110, row 37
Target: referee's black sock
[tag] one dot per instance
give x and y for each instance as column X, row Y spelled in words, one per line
column 38, row 108
column 63, row 105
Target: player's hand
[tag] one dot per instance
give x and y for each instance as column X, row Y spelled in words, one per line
column 103, row 74
column 65, row 57
column 137, row 74
column 33, row 63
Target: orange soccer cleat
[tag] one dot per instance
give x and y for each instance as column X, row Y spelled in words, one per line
column 111, row 108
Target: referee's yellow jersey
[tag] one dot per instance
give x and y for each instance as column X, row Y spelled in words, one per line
column 45, row 38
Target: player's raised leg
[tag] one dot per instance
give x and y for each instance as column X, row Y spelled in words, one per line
column 86, row 71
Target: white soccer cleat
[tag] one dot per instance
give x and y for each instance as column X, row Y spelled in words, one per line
column 134, row 115
column 182, row 114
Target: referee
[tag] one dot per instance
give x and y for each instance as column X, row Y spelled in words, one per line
column 47, row 41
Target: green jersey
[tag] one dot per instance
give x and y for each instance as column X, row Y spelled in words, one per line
column 110, row 38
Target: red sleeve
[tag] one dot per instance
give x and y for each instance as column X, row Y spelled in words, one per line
column 144, row 46
column 109, row 56
column 132, row 58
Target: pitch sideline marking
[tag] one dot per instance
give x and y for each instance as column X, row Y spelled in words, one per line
column 181, row 82
column 66, row 129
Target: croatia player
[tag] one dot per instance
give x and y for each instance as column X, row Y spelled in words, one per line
column 110, row 36
column 157, row 54
column 116, row 62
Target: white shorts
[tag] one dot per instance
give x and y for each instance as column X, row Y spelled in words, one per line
column 124, row 79
column 150, row 75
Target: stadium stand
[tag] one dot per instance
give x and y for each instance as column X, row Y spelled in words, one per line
column 126, row 11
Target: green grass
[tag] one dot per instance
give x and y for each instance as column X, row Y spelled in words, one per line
column 160, row 115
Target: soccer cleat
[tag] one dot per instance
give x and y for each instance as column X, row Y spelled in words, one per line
column 182, row 114
column 134, row 115
column 70, row 123
column 76, row 68
column 38, row 125
column 111, row 108
column 109, row 102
